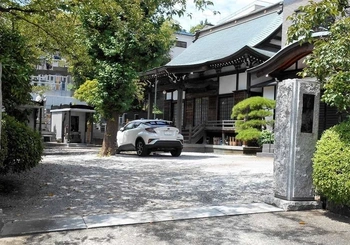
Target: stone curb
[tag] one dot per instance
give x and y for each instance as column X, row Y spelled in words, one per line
column 25, row 227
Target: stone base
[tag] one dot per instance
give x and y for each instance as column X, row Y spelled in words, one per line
column 293, row 205
column 265, row 154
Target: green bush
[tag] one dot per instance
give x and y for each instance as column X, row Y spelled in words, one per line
column 24, row 147
column 266, row 137
column 331, row 173
column 252, row 113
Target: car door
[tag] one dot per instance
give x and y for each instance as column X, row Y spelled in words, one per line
column 122, row 136
column 129, row 135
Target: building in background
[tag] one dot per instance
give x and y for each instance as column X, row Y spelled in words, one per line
column 200, row 86
column 54, row 75
column 183, row 41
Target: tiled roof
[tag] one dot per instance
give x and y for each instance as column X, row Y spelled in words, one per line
column 226, row 42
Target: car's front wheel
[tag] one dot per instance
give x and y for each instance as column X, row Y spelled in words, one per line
column 176, row 152
column 140, row 148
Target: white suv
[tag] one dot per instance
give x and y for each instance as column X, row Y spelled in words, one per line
column 147, row 135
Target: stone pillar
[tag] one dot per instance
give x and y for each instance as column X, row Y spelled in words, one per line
column 296, row 133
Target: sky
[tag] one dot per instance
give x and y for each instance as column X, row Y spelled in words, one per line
column 225, row 7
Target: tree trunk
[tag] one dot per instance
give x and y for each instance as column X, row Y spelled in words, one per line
column 109, row 138
column 0, row 101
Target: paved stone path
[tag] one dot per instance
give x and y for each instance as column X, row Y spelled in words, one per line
column 166, row 199
column 86, row 184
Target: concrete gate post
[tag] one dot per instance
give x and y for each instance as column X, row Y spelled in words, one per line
column 296, row 133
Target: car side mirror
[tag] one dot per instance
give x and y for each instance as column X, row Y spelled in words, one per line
column 121, row 129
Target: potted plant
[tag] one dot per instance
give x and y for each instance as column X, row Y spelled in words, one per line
column 266, row 140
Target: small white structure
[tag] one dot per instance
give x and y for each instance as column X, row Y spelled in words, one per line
column 72, row 123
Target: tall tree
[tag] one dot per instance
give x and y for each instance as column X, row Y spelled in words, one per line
column 110, row 41
column 16, row 71
column 49, row 25
column 326, row 24
column 124, row 38
column 28, row 30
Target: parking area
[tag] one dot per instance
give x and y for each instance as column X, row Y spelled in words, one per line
column 66, row 185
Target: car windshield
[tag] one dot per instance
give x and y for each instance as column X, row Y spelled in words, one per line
column 157, row 123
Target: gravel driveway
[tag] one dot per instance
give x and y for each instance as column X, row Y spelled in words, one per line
column 86, row 184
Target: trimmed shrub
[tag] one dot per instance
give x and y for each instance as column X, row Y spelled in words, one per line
column 331, row 168
column 252, row 112
column 24, row 147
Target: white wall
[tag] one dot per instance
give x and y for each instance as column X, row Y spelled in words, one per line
column 289, row 8
column 56, row 124
column 269, row 92
column 175, row 95
column 242, row 81
column 175, row 51
column 227, row 84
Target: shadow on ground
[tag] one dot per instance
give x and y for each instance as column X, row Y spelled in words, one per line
column 86, row 185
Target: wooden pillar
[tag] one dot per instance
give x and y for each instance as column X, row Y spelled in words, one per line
column 149, row 110
column 63, row 129
column 237, row 77
column 35, row 112
column 69, row 126
column 40, row 118
column 179, row 109
column 249, row 81
column 155, row 97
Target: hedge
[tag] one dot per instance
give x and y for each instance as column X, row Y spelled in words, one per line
column 23, row 149
column 331, row 164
